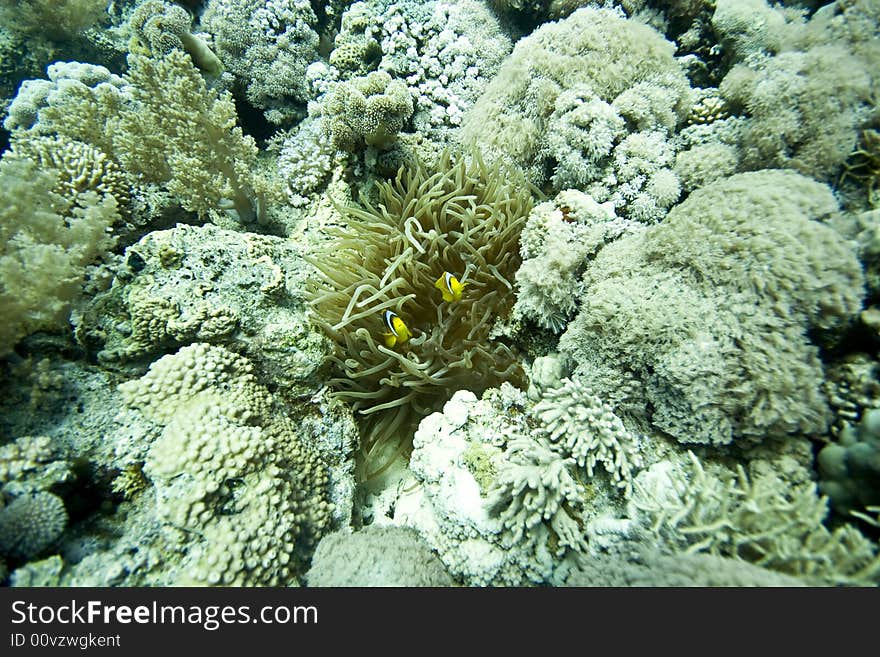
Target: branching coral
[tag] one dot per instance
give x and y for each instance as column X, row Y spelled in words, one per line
column 577, row 423
column 538, row 499
column 465, row 218
column 761, row 520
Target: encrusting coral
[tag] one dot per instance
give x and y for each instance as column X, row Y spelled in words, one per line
column 376, row 556
column 465, row 219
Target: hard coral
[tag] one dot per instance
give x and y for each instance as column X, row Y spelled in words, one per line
column 465, row 219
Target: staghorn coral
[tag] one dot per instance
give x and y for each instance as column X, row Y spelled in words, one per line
column 537, row 499
column 757, row 518
column 464, row 218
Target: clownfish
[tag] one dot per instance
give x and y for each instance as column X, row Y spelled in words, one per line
column 398, row 333
column 449, row 287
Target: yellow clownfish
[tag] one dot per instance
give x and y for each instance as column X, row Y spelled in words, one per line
column 449, row 287
column 398, row 333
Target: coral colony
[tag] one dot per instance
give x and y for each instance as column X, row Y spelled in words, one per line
column 440, row 292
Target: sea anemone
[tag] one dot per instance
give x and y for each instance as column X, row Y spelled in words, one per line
column 463, row 218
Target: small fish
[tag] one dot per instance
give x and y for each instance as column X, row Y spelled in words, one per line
column 398, row 333
column 449, row 287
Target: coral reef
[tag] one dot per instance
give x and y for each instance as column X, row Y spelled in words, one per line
column 445, row 52
column 498, row 499
column 558, row 240
column 439, row 293
column 161, row 27
column 367, row 110
column 806, row 103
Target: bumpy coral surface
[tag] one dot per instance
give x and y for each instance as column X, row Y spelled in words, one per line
column 229, row 467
